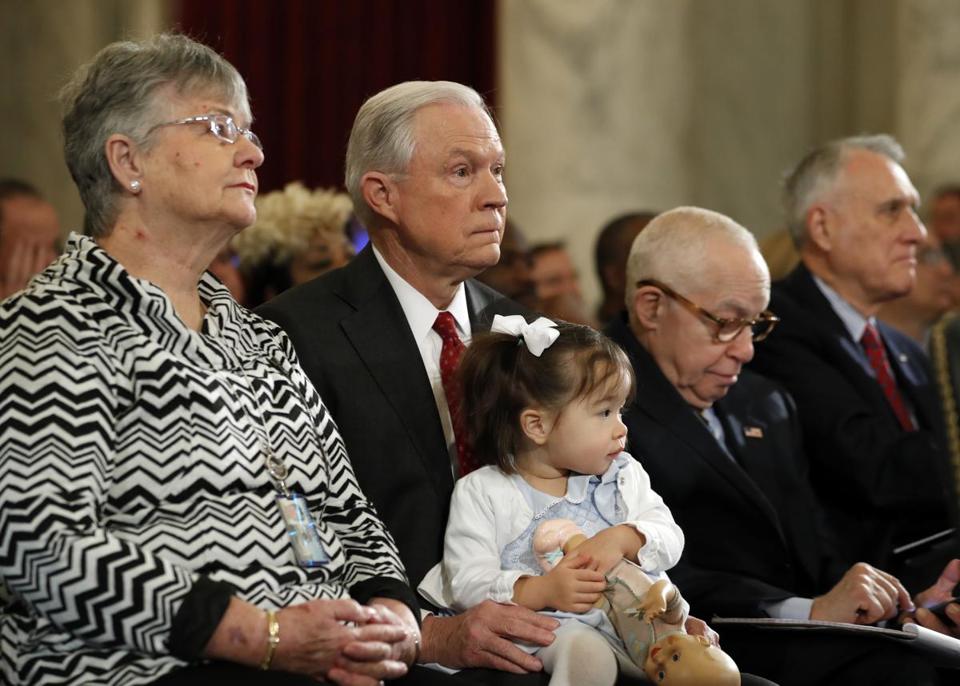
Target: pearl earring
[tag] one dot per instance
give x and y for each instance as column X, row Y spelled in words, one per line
column 135, row 186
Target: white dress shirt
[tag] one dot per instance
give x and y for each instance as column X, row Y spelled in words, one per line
column 421, row 314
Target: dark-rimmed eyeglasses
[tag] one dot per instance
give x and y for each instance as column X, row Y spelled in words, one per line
column 220, row 125
column 726, row 329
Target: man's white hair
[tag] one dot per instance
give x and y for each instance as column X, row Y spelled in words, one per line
column 816, row 173
column 674, row 249
column 382, row 138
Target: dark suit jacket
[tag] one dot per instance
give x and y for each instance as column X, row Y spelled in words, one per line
column 752, row 526
column 880, row 484
column 354, row 343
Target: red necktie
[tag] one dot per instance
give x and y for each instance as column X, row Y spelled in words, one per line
column 453, row 347
column 881, row 366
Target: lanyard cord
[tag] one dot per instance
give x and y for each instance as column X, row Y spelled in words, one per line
column 275, row 466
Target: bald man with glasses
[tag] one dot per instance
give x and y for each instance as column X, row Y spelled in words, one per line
column 721, row 445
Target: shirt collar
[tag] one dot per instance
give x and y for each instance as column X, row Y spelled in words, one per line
column 577, row 484
column 854, row 322
column 420, row 312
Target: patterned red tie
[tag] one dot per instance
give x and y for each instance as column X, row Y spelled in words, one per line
column 881, row 366
column 453, row 347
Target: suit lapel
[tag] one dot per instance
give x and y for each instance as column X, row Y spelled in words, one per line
column 478, row 302
column 379, row 332
column 484, row 303
column 657, row 398
column 806, row 291
column 745, row 439
column 909, row 371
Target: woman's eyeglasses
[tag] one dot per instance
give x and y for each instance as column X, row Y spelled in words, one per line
column 220, row 125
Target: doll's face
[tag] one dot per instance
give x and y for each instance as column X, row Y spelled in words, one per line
column 684, row 660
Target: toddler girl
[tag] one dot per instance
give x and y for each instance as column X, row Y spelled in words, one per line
column 542, row 402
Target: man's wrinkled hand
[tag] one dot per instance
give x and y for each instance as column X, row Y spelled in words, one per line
column 864, row 595
column 484, row 636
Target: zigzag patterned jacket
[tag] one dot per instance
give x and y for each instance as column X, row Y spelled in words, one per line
column 134, row 496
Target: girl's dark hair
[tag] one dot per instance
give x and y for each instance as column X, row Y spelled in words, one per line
column 501, row 378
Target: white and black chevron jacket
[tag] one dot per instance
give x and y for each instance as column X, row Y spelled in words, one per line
column 132, row 468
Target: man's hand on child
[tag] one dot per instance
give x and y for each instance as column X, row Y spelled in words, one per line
column 484, row 636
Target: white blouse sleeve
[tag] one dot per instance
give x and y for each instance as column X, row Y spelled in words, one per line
column 648, row 514
column 470, row 570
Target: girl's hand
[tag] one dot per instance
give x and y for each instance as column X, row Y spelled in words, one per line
column 571, row 586
column 609, row 546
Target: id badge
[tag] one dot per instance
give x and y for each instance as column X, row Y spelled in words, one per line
column 302, row 531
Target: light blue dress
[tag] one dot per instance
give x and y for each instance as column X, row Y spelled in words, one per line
column 593, row 503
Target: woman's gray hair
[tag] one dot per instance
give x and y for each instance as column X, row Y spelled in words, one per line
column 382, row 136
column 674, row 249
column 814, row 175
column 116, row 92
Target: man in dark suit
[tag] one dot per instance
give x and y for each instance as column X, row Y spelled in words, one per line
column 424, row 168
column 722, row 446
column 868, row 409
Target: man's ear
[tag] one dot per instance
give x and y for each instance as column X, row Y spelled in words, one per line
column 820, row 227
column 536, row 424
column 648, row 304
column 382, row 194
column 124, row 157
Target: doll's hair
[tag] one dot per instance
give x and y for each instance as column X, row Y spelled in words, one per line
column 501, row 378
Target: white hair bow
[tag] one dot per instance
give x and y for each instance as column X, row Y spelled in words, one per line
column 537, row 336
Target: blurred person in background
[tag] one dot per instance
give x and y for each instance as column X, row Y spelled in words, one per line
column 299, row 235
column 779, row 252
column 511, row 275
column 557, row 284
column 226, row 267
column 29, row 234
column 943, row 220
column 944, row 214
column 610, row 257
column 931, row 297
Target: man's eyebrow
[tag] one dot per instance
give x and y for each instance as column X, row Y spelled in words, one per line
column 472, row 152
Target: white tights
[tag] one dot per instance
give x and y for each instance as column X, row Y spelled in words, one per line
column 581, row 656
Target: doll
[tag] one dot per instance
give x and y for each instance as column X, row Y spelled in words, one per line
column 648, row 615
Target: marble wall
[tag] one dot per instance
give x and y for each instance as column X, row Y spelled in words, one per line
column 927, row 90
column 41, row 43
column 625, row 104
column 608, row 105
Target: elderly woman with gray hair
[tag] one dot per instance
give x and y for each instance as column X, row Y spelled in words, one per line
column 176, row 503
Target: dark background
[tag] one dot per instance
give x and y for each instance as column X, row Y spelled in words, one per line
column 310, row 64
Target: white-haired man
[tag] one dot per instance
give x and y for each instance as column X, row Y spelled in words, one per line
column 425, row 170
column 871, row 423
column 722, row 446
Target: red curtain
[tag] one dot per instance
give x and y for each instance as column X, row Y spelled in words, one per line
column 309, row 64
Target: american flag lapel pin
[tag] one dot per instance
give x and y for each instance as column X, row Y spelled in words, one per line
column 753, row 432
